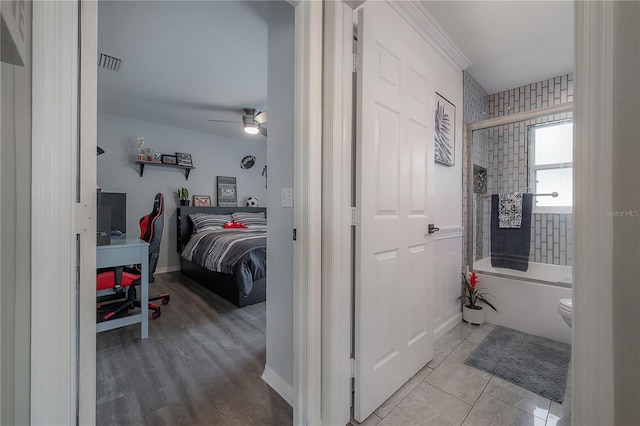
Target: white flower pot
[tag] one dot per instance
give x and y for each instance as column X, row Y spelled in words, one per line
column 473, row 316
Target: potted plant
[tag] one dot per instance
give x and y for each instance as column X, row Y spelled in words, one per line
column 471, row 295
column 183, row 195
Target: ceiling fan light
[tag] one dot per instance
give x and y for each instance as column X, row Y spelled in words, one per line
column 251, row 128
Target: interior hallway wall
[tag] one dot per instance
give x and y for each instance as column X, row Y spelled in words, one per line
column 280, row 265
column 212, row 156
column 15, row 228
column 626, row 199
column 446, row 194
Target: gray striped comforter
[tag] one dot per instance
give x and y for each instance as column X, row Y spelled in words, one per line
column 220, row 250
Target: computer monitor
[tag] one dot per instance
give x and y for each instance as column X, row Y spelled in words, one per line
column 117, row 202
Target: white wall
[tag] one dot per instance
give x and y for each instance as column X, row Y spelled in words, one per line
column 212, row 156
column 626, row 198
column 445, row 202
column 446, row 250
column 15, row 229
column 280, row 160
column 446, row 189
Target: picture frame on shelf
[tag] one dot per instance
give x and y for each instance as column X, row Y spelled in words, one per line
column 201, row 201
column 169, row 159
column 184, row 159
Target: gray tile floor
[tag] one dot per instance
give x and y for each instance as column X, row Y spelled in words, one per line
column 449, row 392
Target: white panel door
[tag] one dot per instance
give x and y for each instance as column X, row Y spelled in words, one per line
column 394, row 323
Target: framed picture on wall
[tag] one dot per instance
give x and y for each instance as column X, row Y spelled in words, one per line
column 184, row 159
column 201, row 201
column 227, row 193
column 445, row 131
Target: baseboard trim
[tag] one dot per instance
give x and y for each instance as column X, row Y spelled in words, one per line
column 444, row 328
column 165, row 269
column 278, row 384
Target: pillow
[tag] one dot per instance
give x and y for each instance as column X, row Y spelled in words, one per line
column 204, row 221
column 234, row 225
column 251, row 220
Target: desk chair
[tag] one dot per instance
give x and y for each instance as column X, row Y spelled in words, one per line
column 122, row 280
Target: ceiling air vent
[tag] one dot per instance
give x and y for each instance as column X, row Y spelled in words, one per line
column 109, row 62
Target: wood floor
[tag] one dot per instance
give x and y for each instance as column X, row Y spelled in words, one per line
column 201, row 365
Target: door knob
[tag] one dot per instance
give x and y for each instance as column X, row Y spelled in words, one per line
column 432, row 228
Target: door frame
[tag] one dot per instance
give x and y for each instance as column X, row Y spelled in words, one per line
column 337, row 213
column 54, row 365
column 593, row 32
column 337, row 168
column 53, row 392
column 0, row 230
column 592, row 331
column 63, row 381
column 307, row 178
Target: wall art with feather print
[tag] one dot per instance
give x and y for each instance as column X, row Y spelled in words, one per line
column 445, row 125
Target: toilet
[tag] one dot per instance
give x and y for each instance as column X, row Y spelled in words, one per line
column 565, row 309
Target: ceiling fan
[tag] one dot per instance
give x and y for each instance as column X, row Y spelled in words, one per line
column 252, row 121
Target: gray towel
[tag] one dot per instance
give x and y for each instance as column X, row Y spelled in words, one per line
column 510, row 246
column 510, row 209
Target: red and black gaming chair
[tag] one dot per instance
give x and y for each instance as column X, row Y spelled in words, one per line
column 122, row 280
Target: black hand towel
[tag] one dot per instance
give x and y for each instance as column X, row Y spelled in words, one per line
column 510, row 246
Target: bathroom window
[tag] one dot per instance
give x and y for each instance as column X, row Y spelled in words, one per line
column 551, row 166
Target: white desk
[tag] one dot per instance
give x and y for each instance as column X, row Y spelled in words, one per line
column 127, row 249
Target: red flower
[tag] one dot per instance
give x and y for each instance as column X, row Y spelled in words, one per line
column 474, row 281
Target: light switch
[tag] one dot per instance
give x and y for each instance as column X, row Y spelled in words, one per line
column 287, row 197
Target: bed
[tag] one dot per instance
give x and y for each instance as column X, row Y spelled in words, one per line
column 245, row 274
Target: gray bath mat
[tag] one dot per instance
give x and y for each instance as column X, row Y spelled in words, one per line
column 531, row 362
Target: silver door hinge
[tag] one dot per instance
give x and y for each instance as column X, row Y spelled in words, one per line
column 353, row 368
column 355, row 213
column 83, row 220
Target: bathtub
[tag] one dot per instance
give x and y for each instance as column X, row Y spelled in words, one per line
column 527, row 301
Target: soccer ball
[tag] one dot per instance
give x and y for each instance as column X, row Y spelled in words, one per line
column 252, row 202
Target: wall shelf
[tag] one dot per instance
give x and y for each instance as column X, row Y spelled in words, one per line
column 187, row 169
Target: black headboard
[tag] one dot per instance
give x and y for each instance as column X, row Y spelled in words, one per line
column 185, row 226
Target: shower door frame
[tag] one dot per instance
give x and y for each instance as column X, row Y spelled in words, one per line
column 486, row 124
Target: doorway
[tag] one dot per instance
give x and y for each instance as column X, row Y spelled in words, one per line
column 231, row 71
column 49, row 401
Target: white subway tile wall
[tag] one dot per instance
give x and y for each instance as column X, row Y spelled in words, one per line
column 503, row 151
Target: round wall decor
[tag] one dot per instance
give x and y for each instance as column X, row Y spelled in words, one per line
column 248, row 162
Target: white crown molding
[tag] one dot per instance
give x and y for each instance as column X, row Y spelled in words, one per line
column 421, row 20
